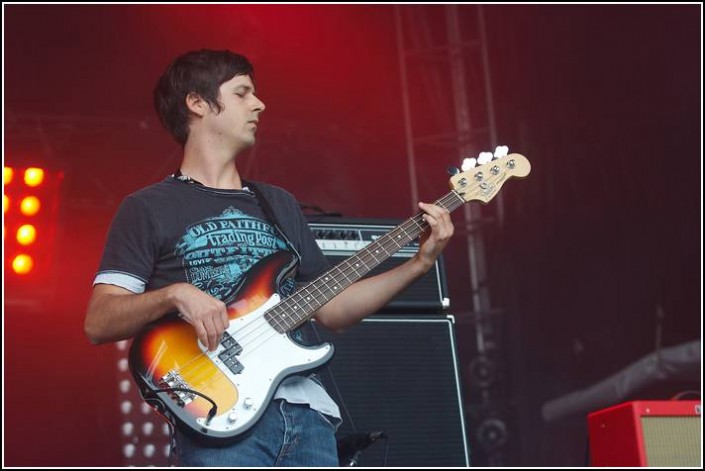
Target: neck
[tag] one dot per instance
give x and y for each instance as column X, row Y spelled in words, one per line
column 212, row 168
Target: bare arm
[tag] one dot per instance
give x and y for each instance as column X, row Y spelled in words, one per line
column 115, row 313
column 369, row 295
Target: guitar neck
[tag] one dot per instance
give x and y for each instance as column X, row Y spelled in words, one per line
column 299, row 307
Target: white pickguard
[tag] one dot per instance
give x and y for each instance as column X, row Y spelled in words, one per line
column 268, row 357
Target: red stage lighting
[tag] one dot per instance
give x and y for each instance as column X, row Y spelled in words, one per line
column 7, row 174
column 30, row 205
column 26, row 234
column 22, row 264
column 33, row 176
column 30, row 208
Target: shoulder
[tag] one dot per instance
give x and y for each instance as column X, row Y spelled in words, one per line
column 151, row 200
column 163, row 192
column 166, row 187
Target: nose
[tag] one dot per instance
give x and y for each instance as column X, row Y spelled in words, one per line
column 259, row 105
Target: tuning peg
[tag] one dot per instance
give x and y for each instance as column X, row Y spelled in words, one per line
column 501, row 151
column 484, row 157
column 468, row 164
column 453, row 170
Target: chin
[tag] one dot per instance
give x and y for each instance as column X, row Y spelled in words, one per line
column 247, row 143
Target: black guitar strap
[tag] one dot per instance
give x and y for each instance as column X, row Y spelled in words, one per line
column 269, row 213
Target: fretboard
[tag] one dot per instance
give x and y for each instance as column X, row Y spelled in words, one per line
column 300, row 306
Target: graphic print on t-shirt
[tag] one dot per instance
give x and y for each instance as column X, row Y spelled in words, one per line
column 218, row 251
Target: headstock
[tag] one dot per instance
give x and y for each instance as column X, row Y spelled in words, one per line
column 483, row 182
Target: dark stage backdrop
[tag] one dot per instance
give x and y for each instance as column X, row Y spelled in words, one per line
column 604, row 234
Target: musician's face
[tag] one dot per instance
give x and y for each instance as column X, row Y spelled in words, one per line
column 237, row 122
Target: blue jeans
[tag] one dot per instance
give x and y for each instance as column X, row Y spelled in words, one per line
column 286, row 435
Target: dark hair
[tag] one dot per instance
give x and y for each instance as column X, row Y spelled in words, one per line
column 201, row 72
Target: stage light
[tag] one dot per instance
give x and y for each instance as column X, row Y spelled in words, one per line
column 7, row 174
column 127, row 428
column 142, row 427
column 26, row 234
column 30, row 205
column 34, row 176
column 22, row 264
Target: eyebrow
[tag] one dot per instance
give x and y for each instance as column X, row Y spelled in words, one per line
column 246, row 88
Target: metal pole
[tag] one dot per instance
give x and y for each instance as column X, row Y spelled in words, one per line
column 410, row 153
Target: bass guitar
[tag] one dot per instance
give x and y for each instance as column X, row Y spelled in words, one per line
column 218, row 396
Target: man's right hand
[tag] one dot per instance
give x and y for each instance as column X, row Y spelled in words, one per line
column 205, row 313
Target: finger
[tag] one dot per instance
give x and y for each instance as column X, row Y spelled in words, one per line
column 441, row 229
column 434, row 209
column 441, row 215
column 430, row 220
column 221, row 320
column 202, row 334
column 213, row 333
column 225, row 320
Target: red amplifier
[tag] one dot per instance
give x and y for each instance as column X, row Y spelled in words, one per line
column 647, row 433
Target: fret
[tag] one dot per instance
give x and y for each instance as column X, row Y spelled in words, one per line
column 317, row 302
column 358, row 261
column 309, row 297
column 401, row 237
column 350, row 264
column 342, row 271
column 419, row 225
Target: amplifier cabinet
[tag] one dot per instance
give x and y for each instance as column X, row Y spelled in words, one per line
column 399, row 374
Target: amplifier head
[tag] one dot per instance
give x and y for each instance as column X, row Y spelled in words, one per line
column 647, row 433
column 341, row 238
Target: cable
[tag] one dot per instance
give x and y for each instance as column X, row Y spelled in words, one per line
column 172, row 442
column 211, row 413
column 683, row 394
column 386, row 450
column 350, row 448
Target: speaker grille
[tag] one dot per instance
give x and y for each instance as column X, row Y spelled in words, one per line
column 672, row 441
column 399, row 375
column 646, row 433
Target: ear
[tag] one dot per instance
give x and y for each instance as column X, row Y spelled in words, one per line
column 196, row 104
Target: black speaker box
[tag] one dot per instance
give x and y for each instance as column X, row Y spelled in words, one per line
column 399, row 375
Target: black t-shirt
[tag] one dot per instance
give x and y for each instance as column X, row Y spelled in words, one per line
column 175, row 231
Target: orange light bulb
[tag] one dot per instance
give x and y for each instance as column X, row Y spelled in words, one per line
column 22, row 264
column 34, row 176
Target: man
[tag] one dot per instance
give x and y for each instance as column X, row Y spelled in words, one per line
column 181, row 245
